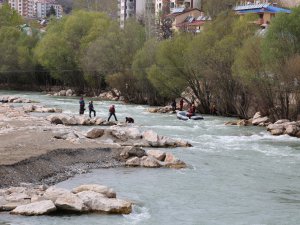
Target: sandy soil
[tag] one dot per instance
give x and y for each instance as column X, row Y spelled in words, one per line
column 30, row 153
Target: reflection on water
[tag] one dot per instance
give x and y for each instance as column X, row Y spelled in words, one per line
column 235, row 175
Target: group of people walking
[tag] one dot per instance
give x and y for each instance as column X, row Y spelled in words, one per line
column 112, row 110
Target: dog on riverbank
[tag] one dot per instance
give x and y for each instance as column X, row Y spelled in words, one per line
column 129, row 120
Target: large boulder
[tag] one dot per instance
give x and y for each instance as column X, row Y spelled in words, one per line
column 260, row 120
column 62, row 93
column 69, row 92
column 151, row 162
column 97, row 203
column 94, row 133
column 99, row 121
column 126, row 133
column 274, row 126
column 134, row 161
column 172, row 162
column 182, row 143
column 133, row 133
column 55, row 119
column 70, row 202
column 16, row 197
column 282, row 121
column 108, row 192
column 151, row 137
column 52, row 193
column 8, row 206
column 36, row 208
column 166, row 142
column 159, row 155
column 291, row 130
column 132, row 151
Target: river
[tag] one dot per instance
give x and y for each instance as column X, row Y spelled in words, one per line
column 236, row 175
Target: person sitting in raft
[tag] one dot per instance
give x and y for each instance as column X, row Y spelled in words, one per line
column 191, row 111
column 91, row 109
column 112, row 112
column 174, row 105
column 81, row 106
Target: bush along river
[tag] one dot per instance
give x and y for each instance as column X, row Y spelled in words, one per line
column 235, row 175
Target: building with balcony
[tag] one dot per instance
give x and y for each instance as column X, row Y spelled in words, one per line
column 21, row 6
column 167, row 6
column 42, row 8
column 187, row 20
column 35, row 8
column 132, row 8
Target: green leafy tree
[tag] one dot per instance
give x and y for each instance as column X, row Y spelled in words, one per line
column 281, row 47
column 16, row 61
column 113, row 53
column 61, row 49
column 168, row 74
column 142, row 62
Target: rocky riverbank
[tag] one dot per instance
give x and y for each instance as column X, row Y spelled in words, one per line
column 46, row 149
column 32, row 200
column 280, row 127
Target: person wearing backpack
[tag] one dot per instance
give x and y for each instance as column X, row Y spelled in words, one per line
column 112, row 112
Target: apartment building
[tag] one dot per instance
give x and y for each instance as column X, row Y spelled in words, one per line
column 35, row 8
column 132, row 8
column 138, row 8
column 42, row 7
column 21, row 6
column 168, row 6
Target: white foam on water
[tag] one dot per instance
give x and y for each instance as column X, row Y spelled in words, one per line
column 139, row 214
column 140, row 107
column 166, row 127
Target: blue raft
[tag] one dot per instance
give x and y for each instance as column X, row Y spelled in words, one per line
column 182, row 115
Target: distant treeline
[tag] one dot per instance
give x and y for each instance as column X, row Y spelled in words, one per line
column 230, row 65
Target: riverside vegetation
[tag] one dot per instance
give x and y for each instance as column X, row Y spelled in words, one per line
column 229, row 65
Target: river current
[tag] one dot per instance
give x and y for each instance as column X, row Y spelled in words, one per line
column 235, row 175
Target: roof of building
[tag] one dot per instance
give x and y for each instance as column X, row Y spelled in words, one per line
column 177, row 13
column 191, row 21
column 260, row 8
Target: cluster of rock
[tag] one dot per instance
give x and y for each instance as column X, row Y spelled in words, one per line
column 130, row 136
column 113, row 95
column 164, row 109
column 285, row 127
column 41, row 109
column 75, row 120
column 31, row 200
column 67, row 93
column 9, row 111
column 14, row 99
column 280, row 127
column 152, row 158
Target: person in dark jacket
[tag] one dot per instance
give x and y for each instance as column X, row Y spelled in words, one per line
column 174, row 105
column 112, row 112
column 181, row 104
column 81, row 106
column 91, row 109
column 129, row 120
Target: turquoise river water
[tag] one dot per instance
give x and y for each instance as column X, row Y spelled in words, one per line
column 236, row 175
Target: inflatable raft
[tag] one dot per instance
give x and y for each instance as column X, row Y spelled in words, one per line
column 182, row 115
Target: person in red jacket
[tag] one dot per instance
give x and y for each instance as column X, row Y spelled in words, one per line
column 192, row 111
column 181, row 104
column 112, row 112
